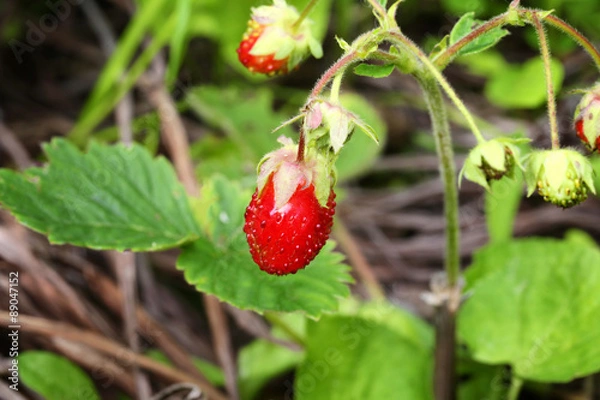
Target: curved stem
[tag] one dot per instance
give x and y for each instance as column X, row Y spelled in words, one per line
column 398, row 38
column 307, row 9
column 545, row 51
column 575, row 35
column 343, row 62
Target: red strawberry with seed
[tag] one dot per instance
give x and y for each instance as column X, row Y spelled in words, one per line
column 277, row 39
column 286, row 239
column 263, row 64
column 291, row 212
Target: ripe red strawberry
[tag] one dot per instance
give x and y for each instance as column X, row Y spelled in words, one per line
column 263, row 64
column 286, row 239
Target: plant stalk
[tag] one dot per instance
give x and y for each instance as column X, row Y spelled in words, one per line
column 546, row 58
column 444, row 373
column 516, row 384
column 307, row 9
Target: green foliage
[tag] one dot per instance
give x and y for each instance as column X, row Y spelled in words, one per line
column 219, row 263
column 371, row 355
column 261, row 361
column 523, row 86
column 374, row 70
column 246, row 117
column 531, row 306
column 479, row 381
column 113, row 197
column 54, row 377
column 465, row 25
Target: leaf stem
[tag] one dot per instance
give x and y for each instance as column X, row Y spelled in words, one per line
column 546, row 58
column 277, row 321
column 516, row 384
column 307, row 9
column 342, row 63
column 398, row 38
column 334, row 97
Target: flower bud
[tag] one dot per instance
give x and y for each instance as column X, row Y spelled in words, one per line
column 326, row 119
column 492, row 160
column 587, row 119
column 563, row 177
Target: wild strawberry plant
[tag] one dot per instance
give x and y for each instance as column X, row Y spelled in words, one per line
column 524, row 310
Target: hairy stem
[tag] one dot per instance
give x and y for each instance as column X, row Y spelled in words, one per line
column 545, row 52
column 573, row 34
column 307, row 9
column 342, row 63
column 443, row 141
column 444, row 376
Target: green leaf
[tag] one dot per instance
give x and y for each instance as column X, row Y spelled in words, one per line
column 219, row 263
column 523, row 86
column 211, row 372
column 465, row 25
column 357, row 357
column 118, row 77
column 374, row 70
column 178, row 40
column 113, row 197
column 501, row 206
column 54, row 377
column 246, row 117
column 360, row 152
column 261, row 361
column 533, row 305
column 479, row 381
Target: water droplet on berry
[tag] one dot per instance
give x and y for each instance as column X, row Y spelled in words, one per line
column 263, row 223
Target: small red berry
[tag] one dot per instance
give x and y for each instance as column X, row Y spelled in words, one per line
column 587, row 119
column 263, row 64
column 277, row 39
column 285, row 239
